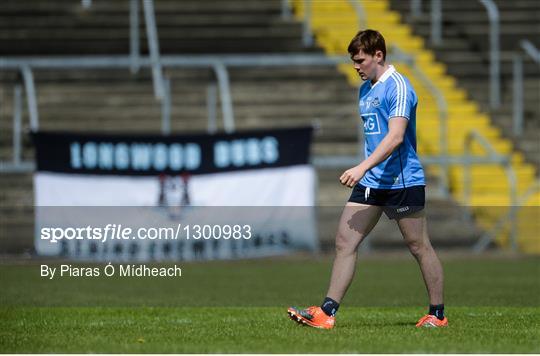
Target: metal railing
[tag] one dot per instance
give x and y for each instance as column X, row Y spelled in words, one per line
column 360, row 13
column 286, row 13
column 153, row 47
column 29, row 87
column 211, row 105
column 494, row 54
column 134, row 48
column 17, row 120
column 517, row 73
column 307, row 36
column 27, row 65
column 415, row 9
column 436, row 22
column 494, row 42
column 86, row 4
column 152, row 38
column 17, row 164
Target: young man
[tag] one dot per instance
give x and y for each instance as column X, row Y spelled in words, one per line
column 389, row 180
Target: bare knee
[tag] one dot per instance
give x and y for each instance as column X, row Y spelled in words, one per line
column 346, row 244
column 418, row 248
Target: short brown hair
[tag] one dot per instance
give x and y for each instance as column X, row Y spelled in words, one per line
column 369, row 41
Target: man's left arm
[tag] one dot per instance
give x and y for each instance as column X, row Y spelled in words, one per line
column 396, row 132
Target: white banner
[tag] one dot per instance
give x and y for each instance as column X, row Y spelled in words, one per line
column 225, row 214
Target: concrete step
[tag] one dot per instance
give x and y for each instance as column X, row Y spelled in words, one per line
column 194, row 73
column 479, row 17
column 480, row 32
column 207, row 6
column 191, row 76
column 64, row 27
column 464, row 5
column 101, row 47
column 120, row 21
column 165, row 33
column 479, row 69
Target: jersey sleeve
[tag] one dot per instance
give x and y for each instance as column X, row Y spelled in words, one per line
column 401, row 98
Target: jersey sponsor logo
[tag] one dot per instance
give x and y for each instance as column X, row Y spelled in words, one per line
column 371, row 124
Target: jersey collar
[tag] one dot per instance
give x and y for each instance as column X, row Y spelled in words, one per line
column 387, row 73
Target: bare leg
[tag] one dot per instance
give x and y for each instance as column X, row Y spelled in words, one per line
column 414, row 231
column 356, row 221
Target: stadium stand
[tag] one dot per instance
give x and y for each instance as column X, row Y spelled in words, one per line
column 115, row 100
column 490, row 196
column 58, row 27
column 465, row 52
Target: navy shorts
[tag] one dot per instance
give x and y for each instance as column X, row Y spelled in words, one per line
column 396, row 203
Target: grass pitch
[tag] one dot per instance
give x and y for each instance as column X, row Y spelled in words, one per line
column 493, row 306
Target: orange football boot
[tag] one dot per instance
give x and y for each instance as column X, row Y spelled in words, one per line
column 431, row 321
column 313, row 316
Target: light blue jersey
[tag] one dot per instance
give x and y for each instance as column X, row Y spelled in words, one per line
column 391, row 96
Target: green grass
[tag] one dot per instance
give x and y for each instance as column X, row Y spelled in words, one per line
column 239, row 307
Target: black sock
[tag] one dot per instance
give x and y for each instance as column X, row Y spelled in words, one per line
column 330, row 306
column 437, row 310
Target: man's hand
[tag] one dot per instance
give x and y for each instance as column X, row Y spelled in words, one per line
column 352, row 175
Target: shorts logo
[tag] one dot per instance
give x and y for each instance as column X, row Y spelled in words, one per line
column 400, row 210
column 371, row 124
